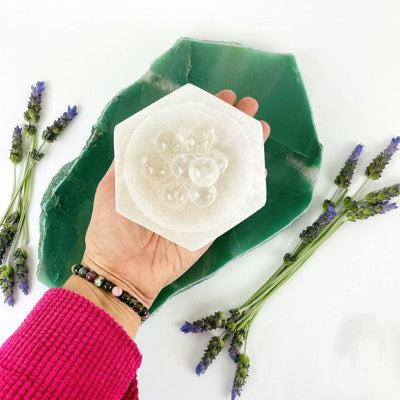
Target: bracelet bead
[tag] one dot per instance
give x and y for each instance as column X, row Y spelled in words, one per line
column 139, row 307
column 125, row 297
column 75, row 269
column 144, row 314
column 91, row 276
column 107, row 285
column 102, row 283
column 99, row 281
column 83, row 271
column 116, row 291
column 132, row 302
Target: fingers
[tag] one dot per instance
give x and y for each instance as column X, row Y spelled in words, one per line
column 266, row 130
column 227, row 95
column 248, row 105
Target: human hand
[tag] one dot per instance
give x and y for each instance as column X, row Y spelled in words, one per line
column 138, row 260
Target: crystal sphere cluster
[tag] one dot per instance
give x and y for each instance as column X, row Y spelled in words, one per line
column 187, row 166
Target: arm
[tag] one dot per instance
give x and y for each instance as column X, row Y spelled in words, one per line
column 68, row 348
column 77, row 343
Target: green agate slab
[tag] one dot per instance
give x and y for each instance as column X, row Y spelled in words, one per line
column 292, row 154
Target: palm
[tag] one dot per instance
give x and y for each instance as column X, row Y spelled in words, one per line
column 134, row 257
column 128, row 250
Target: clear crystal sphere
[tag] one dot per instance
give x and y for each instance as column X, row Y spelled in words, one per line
column 203, row 171
column 180, row 164
column 202, row 196
column 155, row 167
column 220, row 159
column 175, row 195
column 169, row 143
column 199, row 140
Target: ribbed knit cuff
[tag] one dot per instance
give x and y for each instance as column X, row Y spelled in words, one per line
column 68, row 348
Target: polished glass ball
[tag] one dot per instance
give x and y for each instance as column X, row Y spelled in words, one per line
column 202, row 196
column 169, row 144
column 203, row 171
column 220, row 159
column 155, row 167
column 175, row 195
column 180, row 164
column 199, row 140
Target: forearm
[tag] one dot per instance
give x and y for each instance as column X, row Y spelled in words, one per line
column 125, row 316
column 68, row 348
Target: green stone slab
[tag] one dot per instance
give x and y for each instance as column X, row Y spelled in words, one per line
column 292, row 153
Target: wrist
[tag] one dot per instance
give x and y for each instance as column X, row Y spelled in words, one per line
column 115, row 273
column 122, row 314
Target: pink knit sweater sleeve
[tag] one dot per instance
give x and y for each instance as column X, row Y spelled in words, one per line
column 67, row 348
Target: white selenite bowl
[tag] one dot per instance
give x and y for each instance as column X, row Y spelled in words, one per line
column 189, row 167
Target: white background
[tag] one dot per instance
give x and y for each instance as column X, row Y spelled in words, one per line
column 333, row 331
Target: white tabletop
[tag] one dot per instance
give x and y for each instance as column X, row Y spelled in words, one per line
column 333, row 331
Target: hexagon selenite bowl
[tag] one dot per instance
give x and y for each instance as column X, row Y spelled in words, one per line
column 189, row 167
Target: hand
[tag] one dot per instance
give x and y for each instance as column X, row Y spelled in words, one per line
column 131, row 256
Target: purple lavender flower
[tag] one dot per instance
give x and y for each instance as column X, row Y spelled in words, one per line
column 21, row 269
column 201, row 368
column 343, row 180
column 378, row 164
column 7, row 232
column 327, row 217
column 241, row 374
column 16, row 146
column 384, row 194
column 236, row 344
column 71, row 113
column 35, row 155
column 51, row 133
column 312, row 231
column 38, row 89
column 214, row 347
column 34, row 105
column 7, row 283
column 217, row 320
column 370, row 210
column 187, row 327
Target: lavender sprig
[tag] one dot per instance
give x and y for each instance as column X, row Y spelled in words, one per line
column 241, row 374
column 237, row 341
column 32, row 114
column 378, row 164
column 336, row 212
column 217, row 320
column 14, row 221
column 312, row 232
column 363, row 212
column 386, row 193
column 52, row 132
column 7, row 232
column 343, row 180
column 16, row 146
column 213, row 349
column 35, row 155
column 21, row 269
column 7, row 283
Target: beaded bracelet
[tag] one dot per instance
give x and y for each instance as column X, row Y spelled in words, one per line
column 115, row 290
